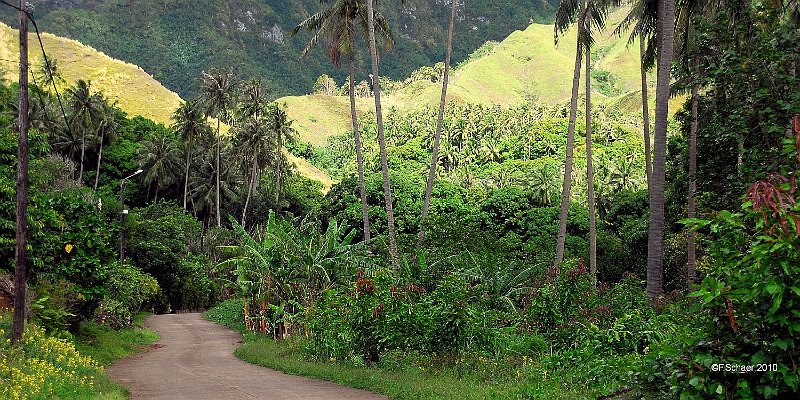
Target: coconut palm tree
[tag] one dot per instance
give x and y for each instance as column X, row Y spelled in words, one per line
column 217, row 96
column 426, row 204
column 188, row 123
column 107, row 125
column 655, row 244
column 84, row 108
column 565, row 17
column 203, row 180
column 255, row 137
column 160, row 157
column 254, row 98
column 376, row 89
column 282, row 131
column 642, row 21
column 336, row 25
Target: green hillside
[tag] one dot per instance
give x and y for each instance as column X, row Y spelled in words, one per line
column 134, row 90
column 526, row 65
column 177, row 39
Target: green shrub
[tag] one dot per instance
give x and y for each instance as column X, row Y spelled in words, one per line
column 747, row 309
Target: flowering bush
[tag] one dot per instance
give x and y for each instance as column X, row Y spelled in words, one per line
column 43, row 367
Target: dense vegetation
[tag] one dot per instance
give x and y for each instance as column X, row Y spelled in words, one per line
column 182, row 38
column 469, row 296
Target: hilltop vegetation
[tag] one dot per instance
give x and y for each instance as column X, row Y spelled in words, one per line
column 132, row 88
column 524, row 67
column 178, row 39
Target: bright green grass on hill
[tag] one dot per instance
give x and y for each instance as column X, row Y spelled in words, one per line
column 526, row 65
column 136, row 92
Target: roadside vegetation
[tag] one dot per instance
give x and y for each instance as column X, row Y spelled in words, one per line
column 537, row 250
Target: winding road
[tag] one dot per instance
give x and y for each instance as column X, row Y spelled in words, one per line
column 194, row 360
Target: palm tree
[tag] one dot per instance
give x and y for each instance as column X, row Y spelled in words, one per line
column 438, row 134
column 655, row 244
column 336, row 25
column 643, row 18
column 160, row 157
column 543, row 185
column 217, row 92
column 255, row 138
column 84, row 107
column 203, row 181
column 282, row 130
column 564, row 17
column 376, row 89
column 254, row 98
column 107, row 125
column 188, row 123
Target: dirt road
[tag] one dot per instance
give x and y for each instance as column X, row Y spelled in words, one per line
column 194, row 360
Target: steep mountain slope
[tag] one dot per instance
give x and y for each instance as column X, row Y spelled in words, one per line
column 174, row 40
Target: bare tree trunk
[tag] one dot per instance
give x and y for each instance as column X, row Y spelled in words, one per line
column 278, row 169
column 691, row 198
column 648, row 167
column 83, row 152
column 186, row 175
column 21, row 260
column 589, row 171
column 655, row 245
column 573, row 112
column 99, row 160
column 250, row 190
column 437, row 137
column 362, row 189
column 376, row 88
column 219, row 145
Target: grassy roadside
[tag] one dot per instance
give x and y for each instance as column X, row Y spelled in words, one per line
column 62, row 366
column 413, row 376
column 107, row 346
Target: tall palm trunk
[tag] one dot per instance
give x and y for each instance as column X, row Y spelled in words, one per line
column 219, row 145
column 99, row 160
column 655, row 244
column 589, row 171
column 83, row 153
column 648, row 167
column 437, row 137
column 250, row 187
column 186, row 174
column 691, row 247
column 573, row 111
column 278, row 169
column 362, row 189
column 376, row 88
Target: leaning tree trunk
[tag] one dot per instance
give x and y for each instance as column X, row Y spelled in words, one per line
column 691, row 246
column 655, row 243
column 362, row 189
column 250, row 189
column 376, row 88
column 648, row 167
column 437, row 137
column 186, row 175
column 589, row 170
column 219, row 145
column 99, row 160
column 573, row 111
